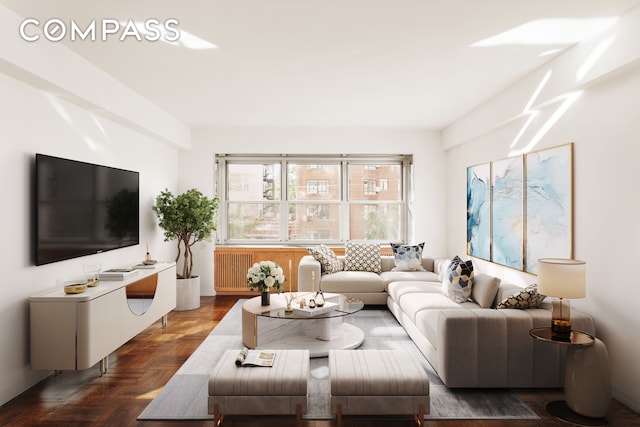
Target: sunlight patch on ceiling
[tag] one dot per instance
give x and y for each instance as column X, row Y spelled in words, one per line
column 186, row 39
column 550, row 32
column 566, row 101
column 591, row 60
column 528, row 111
column 536, row 92
column 550, row 52
column 190, row 41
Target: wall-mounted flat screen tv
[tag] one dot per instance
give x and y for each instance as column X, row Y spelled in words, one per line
column 83, row 209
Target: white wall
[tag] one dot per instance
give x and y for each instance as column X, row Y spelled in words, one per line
column 197, row 171
column 196, row 167
column 603, row 124
column 33, row 120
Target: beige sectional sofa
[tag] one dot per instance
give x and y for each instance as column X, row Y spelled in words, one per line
column 470, row 344
column 370, row 288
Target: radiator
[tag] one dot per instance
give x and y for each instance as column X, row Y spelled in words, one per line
column 230, row 271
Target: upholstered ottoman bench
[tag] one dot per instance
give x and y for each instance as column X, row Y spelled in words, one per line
column 377, row 382
column 277, row 390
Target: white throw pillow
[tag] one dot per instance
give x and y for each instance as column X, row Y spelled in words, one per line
column 485, row 289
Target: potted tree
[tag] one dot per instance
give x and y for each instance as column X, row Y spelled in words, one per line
column 189, row 218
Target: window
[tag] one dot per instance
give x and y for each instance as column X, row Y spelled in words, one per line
column 311, row 199
column 369, row 187
column 318, row 186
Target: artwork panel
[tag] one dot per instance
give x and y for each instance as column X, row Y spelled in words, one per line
column 549, row 205
column 508, row 212
column 479, row 211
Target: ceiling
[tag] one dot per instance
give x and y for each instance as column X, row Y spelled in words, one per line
column 356, row 63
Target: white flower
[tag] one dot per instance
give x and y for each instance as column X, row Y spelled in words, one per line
column 265, row 275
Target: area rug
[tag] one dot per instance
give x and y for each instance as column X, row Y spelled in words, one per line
column 184, row 397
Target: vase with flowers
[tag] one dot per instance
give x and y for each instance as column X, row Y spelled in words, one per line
column 266, row 275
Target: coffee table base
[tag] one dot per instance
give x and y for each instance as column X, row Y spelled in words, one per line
column 343, row 336
column 272, row 327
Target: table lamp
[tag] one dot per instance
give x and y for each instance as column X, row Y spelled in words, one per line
column 561, row 278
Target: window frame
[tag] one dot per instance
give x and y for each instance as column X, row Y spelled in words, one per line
column 283, row 203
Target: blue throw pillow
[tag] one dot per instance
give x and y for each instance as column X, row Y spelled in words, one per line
column 407, row 257
column 458, row 280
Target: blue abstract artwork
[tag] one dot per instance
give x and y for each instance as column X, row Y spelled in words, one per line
column 479, row 211
column 508, row 212
column 549, row 210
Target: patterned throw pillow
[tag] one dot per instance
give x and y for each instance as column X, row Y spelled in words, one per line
column 363, row 257
column 458, row 280
column 329, row 262
column 407, row 257
column 527, row 298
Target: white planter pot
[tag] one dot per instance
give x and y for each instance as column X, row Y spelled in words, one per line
column 188, row 294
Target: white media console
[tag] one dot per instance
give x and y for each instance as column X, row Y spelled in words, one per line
column 76, row 331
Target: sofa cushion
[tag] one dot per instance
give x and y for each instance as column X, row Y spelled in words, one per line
column 407, row 257
column 427, row 323
column 458, row 281
column 352, row 282
column 412, row 303
column 484, row 289
column 397, row 289
column 526, row 298
column 397, row 276
column 329, row 262
column 362, row 257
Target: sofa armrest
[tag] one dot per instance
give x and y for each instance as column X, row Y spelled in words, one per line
column 307, row 265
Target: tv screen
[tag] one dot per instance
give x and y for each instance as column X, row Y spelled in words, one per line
column 83, row 209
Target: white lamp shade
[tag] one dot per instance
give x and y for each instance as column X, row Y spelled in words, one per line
column 562, row 278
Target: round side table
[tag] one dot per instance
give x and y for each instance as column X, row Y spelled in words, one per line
column 587, row 382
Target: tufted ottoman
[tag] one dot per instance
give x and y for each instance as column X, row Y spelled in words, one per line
column 277, row 390
column 377, row 382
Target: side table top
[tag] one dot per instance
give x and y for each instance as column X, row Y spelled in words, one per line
column 577, row 337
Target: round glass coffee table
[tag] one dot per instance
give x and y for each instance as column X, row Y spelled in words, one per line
column 317, row 329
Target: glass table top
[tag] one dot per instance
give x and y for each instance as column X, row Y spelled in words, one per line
column 335, row 305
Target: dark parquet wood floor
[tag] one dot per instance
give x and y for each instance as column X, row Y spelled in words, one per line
column 140, row 368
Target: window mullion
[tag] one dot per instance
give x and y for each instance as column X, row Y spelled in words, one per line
column 284, row 202
column 344, row 197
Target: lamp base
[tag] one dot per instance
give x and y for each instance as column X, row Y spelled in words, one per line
column 561, row 330
column 560, row 320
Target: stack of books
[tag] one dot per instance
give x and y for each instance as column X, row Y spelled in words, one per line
column 117, row 273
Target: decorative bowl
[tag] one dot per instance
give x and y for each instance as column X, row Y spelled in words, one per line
column 75, row 288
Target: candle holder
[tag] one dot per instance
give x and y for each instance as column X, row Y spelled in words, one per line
column 290, row 299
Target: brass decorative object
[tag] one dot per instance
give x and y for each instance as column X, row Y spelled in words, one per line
column 75, row 288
